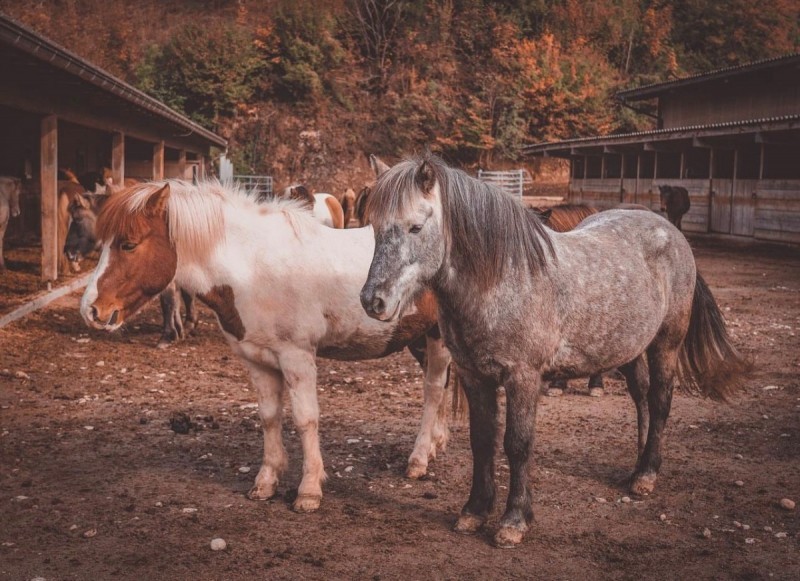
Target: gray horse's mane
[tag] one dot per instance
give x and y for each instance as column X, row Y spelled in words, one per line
column 485, row 230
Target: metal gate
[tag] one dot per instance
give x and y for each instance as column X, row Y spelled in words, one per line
column 260, row 186
column 510, row 181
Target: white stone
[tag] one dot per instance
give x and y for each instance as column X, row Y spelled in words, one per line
column 218, row 544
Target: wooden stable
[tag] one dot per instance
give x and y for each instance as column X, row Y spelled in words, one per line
column 731, row 137
column 60, row 111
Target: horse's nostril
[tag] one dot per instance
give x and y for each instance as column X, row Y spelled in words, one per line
column 95, row 314
column 114, row 317
column 378, row 306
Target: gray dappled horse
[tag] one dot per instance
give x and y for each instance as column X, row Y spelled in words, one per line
column 519, row 304
column 81, row 240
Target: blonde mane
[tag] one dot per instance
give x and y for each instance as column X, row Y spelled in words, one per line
column 195, row 214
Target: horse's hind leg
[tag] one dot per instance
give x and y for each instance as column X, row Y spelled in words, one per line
column 662, row 361
column 638, row 380
column 433, row 430
column 522, row 393
column 269, row 388
column 596, row 387
column 482, row 399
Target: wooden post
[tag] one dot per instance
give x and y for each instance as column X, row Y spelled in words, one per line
column 201, row 168
column 622, row 178
column 158, row 161
column 638, row 177
column 761, row 163
column 182, row 164
column 733, row 189
column 682, row 171
column 118, row 158
column 48, row 176
column 710, row 188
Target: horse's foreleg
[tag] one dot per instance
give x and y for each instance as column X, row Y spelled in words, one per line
column 661, row 361
column 269, row 387
column 638, row 380
column 171, row 313
column 300, row 378
column 433, row 430
column 522, row 393
column 191, row 311
column 482, row 399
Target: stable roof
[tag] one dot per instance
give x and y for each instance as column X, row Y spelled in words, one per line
column 33, row 62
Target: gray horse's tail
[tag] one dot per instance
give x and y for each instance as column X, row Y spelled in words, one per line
column 708, row 362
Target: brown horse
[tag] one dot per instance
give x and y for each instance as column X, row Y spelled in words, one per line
column 9, row 207
column 349, row 206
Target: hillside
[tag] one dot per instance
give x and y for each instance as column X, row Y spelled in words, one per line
column 306, row 89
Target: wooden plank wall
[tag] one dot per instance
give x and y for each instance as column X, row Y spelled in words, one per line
column 777, row 211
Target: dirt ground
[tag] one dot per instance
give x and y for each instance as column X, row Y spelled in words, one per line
column 94, row 484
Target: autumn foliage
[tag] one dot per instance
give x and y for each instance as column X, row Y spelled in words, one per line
column 472, row 79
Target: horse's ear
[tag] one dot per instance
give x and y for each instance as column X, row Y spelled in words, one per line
column 157, row 204
column 425, row 177
column 378, row 166
column 81, row 200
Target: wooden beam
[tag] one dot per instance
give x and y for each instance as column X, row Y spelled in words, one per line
column 158, row 161
column 118, row 157
column 48, row 176
column 773, row 139
column 75, row 112
column 182, row 164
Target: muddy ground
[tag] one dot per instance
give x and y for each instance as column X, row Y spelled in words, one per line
column 94, row 484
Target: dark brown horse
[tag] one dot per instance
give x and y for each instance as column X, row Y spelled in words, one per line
column 674, row 202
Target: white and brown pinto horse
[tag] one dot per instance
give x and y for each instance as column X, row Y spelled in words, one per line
column 519, row 304
column 284, row 288
column 325, row 208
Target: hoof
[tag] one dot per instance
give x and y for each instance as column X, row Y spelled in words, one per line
column 596, row 392
column 163, row 344
column 643, row 484
column 416, row 470
column 468, row 524
column 555, row 392
column 306, row 503
column 261, row 492
column 508, row 537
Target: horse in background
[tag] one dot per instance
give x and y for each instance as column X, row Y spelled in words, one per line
column 360, row 206
column 519, row 304
column 82, row 240
column 349, row 206
column 325, row 208
column 675, row 203
column 10, row 188
column 279, row 308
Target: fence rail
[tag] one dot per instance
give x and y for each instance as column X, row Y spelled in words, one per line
column 510, row 181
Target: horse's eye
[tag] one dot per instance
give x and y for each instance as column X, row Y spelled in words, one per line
column 127, row 246
column 415, row 229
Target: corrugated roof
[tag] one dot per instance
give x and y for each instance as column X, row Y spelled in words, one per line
column 654, row 89
column 20, row 37
column 729, row 127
